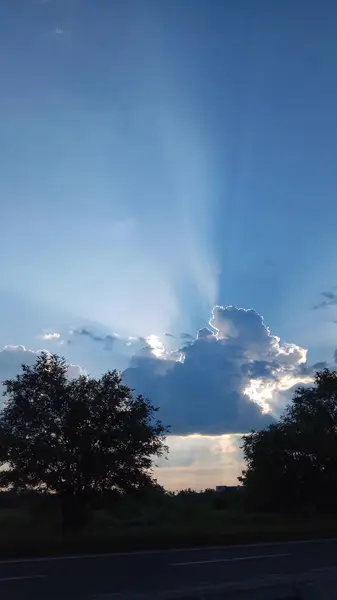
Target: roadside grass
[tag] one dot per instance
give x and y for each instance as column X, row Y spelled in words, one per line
column 27, row 533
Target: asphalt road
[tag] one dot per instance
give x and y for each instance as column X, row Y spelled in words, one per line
column 157, row 574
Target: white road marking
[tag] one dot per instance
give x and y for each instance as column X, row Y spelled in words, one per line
column 233, row 559
column 19, row 577
column 164, row 551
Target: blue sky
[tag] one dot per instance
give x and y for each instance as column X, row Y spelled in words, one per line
column 159, row 158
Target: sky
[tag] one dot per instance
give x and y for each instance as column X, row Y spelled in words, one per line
column 168, row 206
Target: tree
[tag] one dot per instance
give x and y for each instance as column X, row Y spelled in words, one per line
column 292, row 465
column 75, row 437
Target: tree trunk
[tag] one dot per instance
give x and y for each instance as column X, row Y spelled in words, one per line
column 75, row 512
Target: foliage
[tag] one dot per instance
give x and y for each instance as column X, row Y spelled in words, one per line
column 292, row 464
column 75, row 437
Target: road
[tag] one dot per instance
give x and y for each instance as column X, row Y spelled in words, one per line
column 157, row 574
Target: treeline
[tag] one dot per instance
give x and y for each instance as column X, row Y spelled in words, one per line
column 79, row 445
column 231, row 499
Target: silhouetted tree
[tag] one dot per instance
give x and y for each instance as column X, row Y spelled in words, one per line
column 75, row 437
column 292, row 465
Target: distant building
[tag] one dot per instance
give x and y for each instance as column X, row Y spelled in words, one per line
column 224, row 488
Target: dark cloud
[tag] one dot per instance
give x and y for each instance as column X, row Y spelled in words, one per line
column 319, row 366
column 330, row 300
column 204, row 391
column 260, row 368
column 186, row 336
column 335, row 356
column 205, row 334
column 107, row 340
column 170, row 335
column 329, row 295
column 312, row 369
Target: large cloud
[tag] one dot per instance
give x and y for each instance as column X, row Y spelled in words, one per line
column 231, row 378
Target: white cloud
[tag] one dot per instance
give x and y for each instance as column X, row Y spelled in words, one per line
column 156, row 345
column 50, row 336
column 269, row 394
column 201, row 461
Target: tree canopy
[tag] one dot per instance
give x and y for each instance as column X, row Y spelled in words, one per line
column 292, row 464
column 75, row 437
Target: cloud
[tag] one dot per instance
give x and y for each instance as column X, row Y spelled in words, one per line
column 200, row 461
column 232, row 377
column 329, row 295
column 155, row 345
column 186, row 336
column 150, row 344
column 311, row 369
column 199, row 450
column 330, row 300
column 13, row 357
column 50, row 336
column 107, row 339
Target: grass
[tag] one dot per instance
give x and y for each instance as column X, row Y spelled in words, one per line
column 23, row 533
